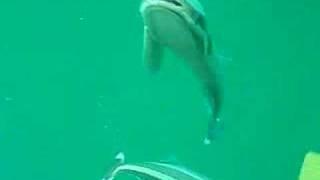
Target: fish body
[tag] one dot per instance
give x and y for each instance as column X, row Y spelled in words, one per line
column 154, row 171
column 180, row 25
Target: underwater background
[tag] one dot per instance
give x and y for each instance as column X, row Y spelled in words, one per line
column 74, row 91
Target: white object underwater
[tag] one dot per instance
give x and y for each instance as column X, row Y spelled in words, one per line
column 152, row 170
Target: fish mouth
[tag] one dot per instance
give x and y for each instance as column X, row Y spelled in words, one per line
column 172, row 5
column 174, row 2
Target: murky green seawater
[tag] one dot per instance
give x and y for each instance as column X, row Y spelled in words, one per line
column 73, row 91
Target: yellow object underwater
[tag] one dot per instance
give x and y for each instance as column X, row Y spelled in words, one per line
column 311, row 167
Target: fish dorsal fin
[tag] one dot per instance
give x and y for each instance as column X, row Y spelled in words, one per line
column 120, row 158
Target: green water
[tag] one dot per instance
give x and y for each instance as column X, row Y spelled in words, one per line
column 73, row 91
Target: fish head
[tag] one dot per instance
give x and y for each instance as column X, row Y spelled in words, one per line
column 176, row 24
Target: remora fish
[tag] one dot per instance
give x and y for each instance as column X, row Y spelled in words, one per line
column 180, row 25
column 152, row 171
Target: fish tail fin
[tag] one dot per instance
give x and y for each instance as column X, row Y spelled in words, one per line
column 215, row 129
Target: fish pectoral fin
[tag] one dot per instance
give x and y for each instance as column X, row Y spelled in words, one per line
column 152, row 52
